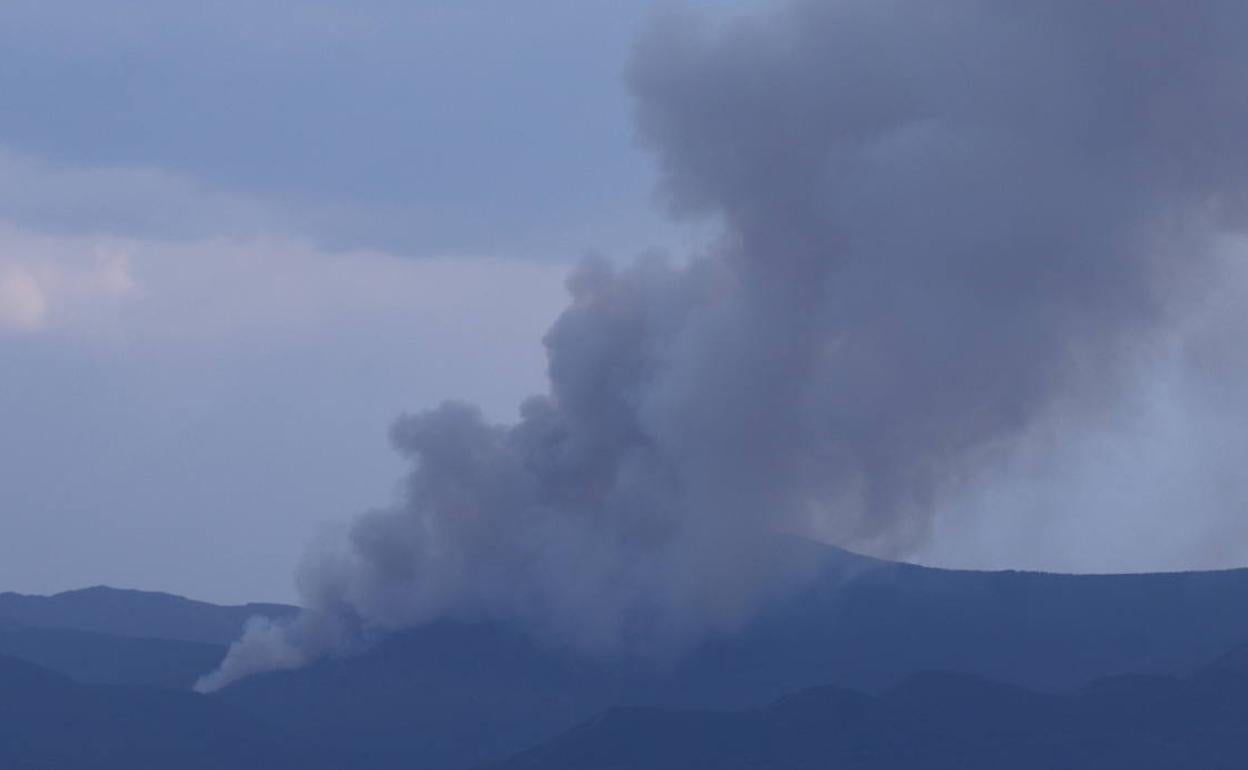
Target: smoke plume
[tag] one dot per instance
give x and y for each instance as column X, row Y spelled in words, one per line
column 937, row 220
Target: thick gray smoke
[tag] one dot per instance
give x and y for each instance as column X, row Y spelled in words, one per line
column 938, row 219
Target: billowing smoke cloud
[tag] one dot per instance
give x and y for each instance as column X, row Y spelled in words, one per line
column 938, row 219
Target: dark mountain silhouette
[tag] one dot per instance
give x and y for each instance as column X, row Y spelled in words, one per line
column 47, row 721
column 93, row 658
column 145, row 614
column 454, row 694
column 929, row 721
column 458, row 694
column 112, row 636
column 935, row 720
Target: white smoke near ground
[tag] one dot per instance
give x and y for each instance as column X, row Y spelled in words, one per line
column 939, row 222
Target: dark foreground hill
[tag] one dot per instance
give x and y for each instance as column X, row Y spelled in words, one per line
column 452, row 695
column 929, row 722
column 47, row 721
column 456, row 695
column 93, row 658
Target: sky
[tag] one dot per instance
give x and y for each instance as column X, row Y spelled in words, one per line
column 237, row 240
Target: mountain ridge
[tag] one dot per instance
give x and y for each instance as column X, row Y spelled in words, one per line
column 136, row 613
column 460, row 693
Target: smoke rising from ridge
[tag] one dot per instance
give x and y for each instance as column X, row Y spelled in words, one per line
column 938, row 219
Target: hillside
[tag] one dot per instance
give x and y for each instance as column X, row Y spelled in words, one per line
column 94, row 658
column 47, row 721
column 112, row 636
column 458, row 694
column 928, row 722
column 144, row 614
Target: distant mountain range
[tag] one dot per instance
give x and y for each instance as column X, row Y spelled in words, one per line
column 842, row 664
column 143, row 614
column 111, row 636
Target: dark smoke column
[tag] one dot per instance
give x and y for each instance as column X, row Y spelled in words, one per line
column 937, row 220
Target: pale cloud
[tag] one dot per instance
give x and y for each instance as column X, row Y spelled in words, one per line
column 221, row 287
column 219, row 399
column 22, row 304
column 49, row 282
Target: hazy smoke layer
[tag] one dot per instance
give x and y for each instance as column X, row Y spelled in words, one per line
column 938, row 218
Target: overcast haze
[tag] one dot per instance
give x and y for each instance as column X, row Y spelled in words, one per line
column 237, row 240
